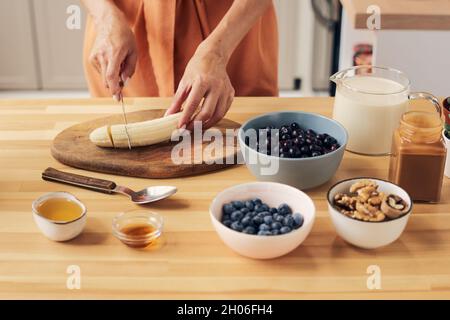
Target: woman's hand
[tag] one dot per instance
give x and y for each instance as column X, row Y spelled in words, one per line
column 114, row 54
column 205, row 77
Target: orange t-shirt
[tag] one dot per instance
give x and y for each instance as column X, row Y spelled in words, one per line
column 167, row 34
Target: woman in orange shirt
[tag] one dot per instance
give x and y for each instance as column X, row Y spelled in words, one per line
column 194, row 50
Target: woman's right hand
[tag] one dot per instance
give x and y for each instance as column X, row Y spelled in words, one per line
column 114, row 53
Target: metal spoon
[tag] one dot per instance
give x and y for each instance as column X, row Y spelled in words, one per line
column 146, row 195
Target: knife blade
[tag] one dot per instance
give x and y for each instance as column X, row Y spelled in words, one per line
column 121, row 83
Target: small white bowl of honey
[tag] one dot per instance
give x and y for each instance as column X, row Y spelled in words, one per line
column 59, row 215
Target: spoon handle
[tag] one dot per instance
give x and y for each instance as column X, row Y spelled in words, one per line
column 105, row 186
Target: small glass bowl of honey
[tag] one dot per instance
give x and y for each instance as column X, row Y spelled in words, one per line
column 137, row 228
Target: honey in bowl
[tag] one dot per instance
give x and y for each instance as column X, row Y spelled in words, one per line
column 138, row 228
column 59, row 209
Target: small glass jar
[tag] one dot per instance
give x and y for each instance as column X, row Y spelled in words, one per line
column 418, row 156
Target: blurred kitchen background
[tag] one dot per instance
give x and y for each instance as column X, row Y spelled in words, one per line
column 40, row 57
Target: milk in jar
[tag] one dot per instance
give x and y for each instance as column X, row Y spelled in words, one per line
column 370, row 108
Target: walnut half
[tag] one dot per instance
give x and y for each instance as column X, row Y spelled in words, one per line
column 394, row 206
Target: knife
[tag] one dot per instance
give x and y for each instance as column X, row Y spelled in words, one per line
column 121, row 84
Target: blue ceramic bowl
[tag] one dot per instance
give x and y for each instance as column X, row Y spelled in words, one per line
column 304, row 173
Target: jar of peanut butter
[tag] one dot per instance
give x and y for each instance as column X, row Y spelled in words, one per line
column 418, row 156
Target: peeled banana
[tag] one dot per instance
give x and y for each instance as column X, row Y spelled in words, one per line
column 141, row 133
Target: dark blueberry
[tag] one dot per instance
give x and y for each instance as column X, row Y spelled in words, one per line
column 285, row 130
column 259, row 208
column 319, row 143
column 227, row 223
column 286, row 144
column 285, row 136
column 237, row 226
column 278, row 218
column 273, row 210
column 265, row 214
column 299, row 142
column 268, row 220
column 245, row 210
column 304, row 150
column 265, row 207
column 283, row 155
column 294, row 152
column 295, row 125
column 294, row 133
column 264, row 227
column 276, row 225
column 264, row 233
column 257, row 201
column 249, row 230
column 334, row 147
column 285, row 230
column 228, row 208
column 316, row 154
column 237, row 204
column 305, row 155
column 257, row 220
column 236, row 216
column 315, row 147
column 311, row 132
column 320, row 137
column 249, row 205
column 246, row 221
column 284, row 209
column 308, row 141
column 298, row 220
column 275, row 232
column 288, row 221
column 329, row 141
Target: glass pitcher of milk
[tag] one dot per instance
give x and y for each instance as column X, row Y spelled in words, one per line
column 369, row 104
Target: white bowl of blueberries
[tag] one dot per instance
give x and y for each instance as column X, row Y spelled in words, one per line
column 300, row 149
column 262, row 220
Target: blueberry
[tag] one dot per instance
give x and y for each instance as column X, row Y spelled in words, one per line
column 246, row 221
column 265, row 207
column 264, row 227
column 284, row 209
column 286, row 137
column 295, row 125
column 258, row 208
column 265, row 214
column 298, row 220
column 237, row 226
column 294, row 133
column 268, row 220
column 256, row 201
column 245, row 210
column 304, row 149
column 228, row 208
column 249, row 230
column 278, row 218
column 227, row 223
column 285, row 130
column 273, row 210
column 249, row 205
column 236, row 216
column 316, row 154
column 264, row 233
column 311, row 132
column 285, row 230
column 237, row 204
column 276, row 226
column 288, row 221
column 257, row 220
column 275, row 232
column 329, row 141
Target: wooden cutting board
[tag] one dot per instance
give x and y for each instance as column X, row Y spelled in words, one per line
column 73, row 148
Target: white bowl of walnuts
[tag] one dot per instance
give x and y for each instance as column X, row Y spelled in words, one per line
column 369, row 213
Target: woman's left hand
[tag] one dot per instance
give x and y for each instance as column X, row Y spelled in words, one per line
column 205, row 77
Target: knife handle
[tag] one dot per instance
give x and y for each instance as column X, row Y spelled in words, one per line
column 100, row 185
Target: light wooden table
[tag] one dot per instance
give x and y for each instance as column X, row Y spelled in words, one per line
column 193, row 262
